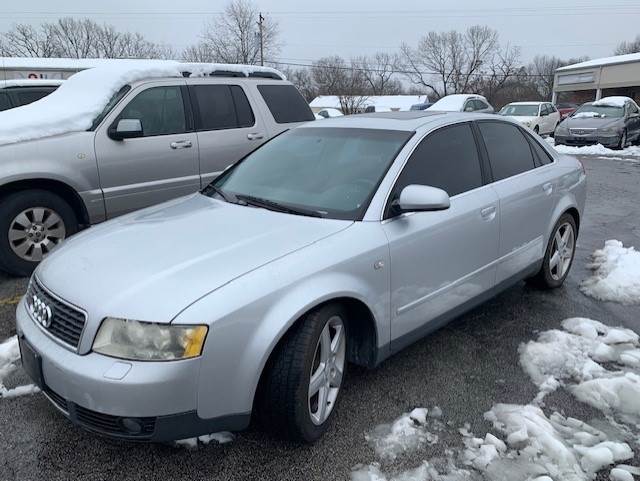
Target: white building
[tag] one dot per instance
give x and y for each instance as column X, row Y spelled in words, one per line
column 44, row 68
column 380, row 102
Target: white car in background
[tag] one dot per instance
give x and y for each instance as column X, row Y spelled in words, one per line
column 328, row 113
column 463, row 103
column 541, row 117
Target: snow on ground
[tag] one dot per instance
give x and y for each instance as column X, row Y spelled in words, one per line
column 80, row 99
column 222, row 437
column 597, row 363
column 9, row 358
column 616, row 274
column 598, row 149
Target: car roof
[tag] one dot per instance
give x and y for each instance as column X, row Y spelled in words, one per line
column 528, row 103
column 406, row 120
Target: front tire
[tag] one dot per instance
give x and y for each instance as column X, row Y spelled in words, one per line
column 32, row 222
column 303, row 381
column 559, row 254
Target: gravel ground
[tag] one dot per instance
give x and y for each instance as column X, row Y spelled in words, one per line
column 464, row 368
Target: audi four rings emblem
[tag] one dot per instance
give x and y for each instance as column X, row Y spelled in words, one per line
column 40, row 311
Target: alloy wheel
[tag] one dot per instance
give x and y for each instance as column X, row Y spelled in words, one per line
column 34, row 232
column 327, row 370
column 562, row 251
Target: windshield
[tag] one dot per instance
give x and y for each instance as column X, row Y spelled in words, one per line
column 112, row 103
column 330, row 172
column 600, row 111
column 520, row 110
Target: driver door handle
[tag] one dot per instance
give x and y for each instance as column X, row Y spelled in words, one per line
column 180, row 144
column 488, row 213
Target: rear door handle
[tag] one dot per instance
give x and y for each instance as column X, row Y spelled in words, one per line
column 488, row 213
column 180, row 144
column 255, row 136
column 548, row 188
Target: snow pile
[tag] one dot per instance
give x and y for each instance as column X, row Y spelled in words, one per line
column 526, row 443
column 614, row 101
column 616, row 274
column 598, row 149
column 407, row 433
column 585, row 115
column 79, row 100
column 222, row 437
column 9, row 357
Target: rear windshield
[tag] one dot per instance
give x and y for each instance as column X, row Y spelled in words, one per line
column 285, row 103
column 520, row 110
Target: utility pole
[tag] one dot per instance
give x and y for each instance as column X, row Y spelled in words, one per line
column 260, row 26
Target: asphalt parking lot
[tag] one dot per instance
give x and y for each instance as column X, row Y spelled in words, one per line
column 464, row 369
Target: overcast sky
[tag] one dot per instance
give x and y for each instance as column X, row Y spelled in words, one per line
column 309, row 30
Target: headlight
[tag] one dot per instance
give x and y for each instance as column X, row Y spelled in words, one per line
column 562, row 129
column 609, row 131
column 146, row 341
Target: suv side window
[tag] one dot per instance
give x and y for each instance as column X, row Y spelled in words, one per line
column 447, row 158
column 221, row 107
column 25, row 96
column 285, row 103
column 5, row 102
column 509, row 151
column 159, row 109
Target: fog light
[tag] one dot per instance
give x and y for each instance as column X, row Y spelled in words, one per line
column 131, row 425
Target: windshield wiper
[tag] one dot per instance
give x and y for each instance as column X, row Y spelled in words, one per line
column 226, row 196
column 272, row 205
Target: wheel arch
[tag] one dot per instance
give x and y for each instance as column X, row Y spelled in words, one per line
column 65, row 191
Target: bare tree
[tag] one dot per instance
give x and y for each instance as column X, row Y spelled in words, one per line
column 301, row 78
column 542, row 72
column 234, row 37
column 333, row 76
column 78, row 38
column 379, row 71
column 628, row 47
column 451, row 62
column 500, row 70
column 199, row 52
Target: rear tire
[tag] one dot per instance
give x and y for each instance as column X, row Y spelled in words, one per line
column 559, row 254
column 291, row 404
column 32, row 222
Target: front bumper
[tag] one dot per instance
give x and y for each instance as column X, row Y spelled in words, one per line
column 143, row 401
column 581, row 141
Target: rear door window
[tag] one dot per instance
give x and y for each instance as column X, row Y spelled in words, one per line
column 285, row 103
column 508, row 149
column 159, row 109
column 447, row 159
column 220, row 107
column 5, row 102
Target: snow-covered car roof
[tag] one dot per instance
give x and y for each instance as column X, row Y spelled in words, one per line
column 526, row 103
column 81, row 98
column 614, row 101
column 454, row 102
column 30, row 83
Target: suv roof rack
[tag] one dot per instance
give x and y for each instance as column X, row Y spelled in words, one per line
column 234, row 73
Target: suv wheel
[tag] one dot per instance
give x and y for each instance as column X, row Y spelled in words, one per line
column 559, row 254
column 303, row 383
column 32, row 222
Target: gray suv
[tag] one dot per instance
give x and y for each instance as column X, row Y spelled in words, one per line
column 156, row 139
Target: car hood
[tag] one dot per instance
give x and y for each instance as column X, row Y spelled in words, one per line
column 151, row 264
column 590, row 122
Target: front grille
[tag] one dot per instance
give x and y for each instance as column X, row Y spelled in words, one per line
column 582, row 131
column 108, row 424
column 66, row 321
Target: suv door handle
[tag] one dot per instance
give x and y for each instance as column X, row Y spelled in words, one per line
column 180, row 144
column 548, row 188
column 255, row 136
column 488, row 213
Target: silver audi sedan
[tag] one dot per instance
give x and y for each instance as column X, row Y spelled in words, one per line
column 338, row 242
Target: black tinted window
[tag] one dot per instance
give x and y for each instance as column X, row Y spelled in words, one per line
column 159, row 109
column 285, row 103
column 509, row 151
column 243, row 109
column 5, row 103
column 447, row 159
column 215, row 106
column 27, row 96
column 542, row 155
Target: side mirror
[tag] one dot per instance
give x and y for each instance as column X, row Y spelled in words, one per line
column 421, row 198
column 127, row 129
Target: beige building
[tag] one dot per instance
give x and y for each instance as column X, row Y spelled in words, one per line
column 594, row 79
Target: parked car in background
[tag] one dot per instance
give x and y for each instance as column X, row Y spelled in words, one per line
column 18, row 92
column 612, row 121
column 566, row 109
column 339, row 241
column 422, row 106
column 541, row 117
column 64, row 166
column 369, row 109
column 328, row 113
column 463, row 103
